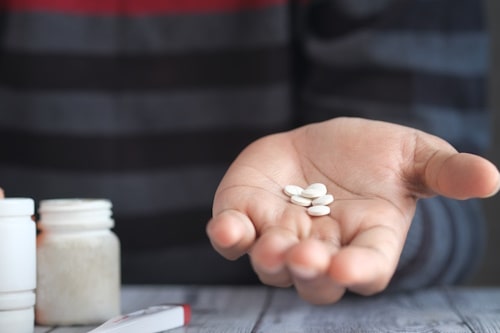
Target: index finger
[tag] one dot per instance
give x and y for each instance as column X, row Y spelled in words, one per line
column 231, row 233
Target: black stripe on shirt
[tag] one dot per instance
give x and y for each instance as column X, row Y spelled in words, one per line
column 162, row 231
column 452, row 16
column 327, row 20
column 142, row 72
column 125, row 153
column 401, row 87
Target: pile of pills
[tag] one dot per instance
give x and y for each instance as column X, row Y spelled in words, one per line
column 315, row 197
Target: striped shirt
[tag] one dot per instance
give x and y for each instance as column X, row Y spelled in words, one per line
column 146, row 102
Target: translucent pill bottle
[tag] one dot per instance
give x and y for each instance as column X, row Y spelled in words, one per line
column 17, row 265
column 78, row 275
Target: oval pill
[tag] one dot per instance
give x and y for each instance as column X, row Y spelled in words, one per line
column 323, row 200
column 291, row 190
column 301, row 201
column 318, row 210
column 314, row 190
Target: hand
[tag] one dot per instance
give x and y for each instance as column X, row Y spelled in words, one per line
column 375, row 170
column 2, row 195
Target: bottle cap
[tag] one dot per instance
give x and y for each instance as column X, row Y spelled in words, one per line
column 72, row 205
column 81, row 213
column 17, row 300
column 17, row 206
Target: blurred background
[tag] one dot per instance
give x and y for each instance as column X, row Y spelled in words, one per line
column 489, row 274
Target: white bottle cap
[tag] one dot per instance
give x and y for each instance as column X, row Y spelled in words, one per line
column 76, row 213
column 16, row 206
column 76, row 204
column 17, row 300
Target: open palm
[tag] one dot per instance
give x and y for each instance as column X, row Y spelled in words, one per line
column 376, row 171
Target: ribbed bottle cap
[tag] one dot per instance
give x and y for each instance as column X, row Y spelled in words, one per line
column 72, row 205
column 17, row 300
column 17, row 206
column 75, row 213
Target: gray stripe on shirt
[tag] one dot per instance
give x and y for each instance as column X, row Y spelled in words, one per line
column 94, row 113
column 427, row 118
column 464, row 54
column 48, row 32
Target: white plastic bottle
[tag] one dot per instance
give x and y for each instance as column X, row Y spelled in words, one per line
column 17, row 265
column 78, row 263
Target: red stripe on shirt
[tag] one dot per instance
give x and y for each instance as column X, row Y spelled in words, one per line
column 135, row 7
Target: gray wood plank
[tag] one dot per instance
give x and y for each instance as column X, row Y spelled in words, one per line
column 262, row 309
column 71, row 329
column 221, row 310
column 425, row 311
column 215, row 309
column 479, row 308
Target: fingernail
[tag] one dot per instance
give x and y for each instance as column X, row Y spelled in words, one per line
column 304, row 272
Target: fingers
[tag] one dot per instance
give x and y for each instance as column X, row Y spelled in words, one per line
column 2, row 194
column 308, row 264
column 362, row 270
column 321, row 273
column 317, row 265
column 319, row 268
column 231, row 233
column 281, row 260
column 268, row 256
column 278, row 257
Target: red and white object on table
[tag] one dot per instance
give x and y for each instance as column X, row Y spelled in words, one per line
column 154, row 319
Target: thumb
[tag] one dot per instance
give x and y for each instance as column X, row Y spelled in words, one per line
column 461, row 175
column 2, row 195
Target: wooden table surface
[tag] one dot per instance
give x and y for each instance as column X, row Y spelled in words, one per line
column 263, row 309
